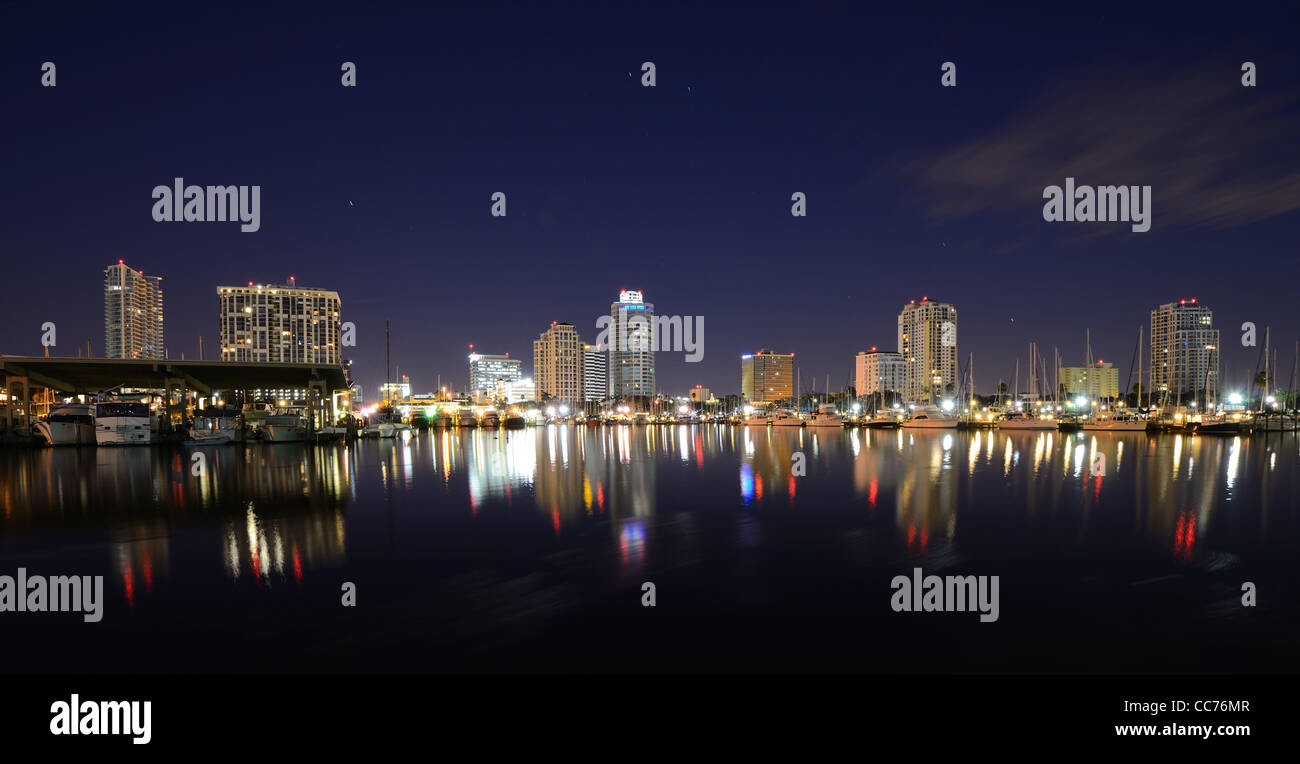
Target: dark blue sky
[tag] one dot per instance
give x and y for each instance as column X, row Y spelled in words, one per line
column 682, row 190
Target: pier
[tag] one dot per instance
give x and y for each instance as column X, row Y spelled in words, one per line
column 30, row 383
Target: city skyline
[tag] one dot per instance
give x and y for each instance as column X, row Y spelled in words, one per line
column 935, row 320
column 912, row 189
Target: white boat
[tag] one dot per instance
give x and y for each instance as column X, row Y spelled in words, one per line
column 1114, row 424
column 490, row 419
column 69, row 424
column 1276, row 423
column 284, row 428
column 124, row 423
column 332, row 433
column 466, row 418
column 882, row 420
column 211, row 437
column 1026, row 422
column 926, row 419
column 787, row 419
column 379, row 430
column 758, row 419
column 384, row 423
column 825, row 416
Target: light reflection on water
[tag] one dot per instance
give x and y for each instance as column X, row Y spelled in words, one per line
column 626, row 501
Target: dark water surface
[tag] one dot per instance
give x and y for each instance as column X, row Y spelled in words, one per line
column 526, row 551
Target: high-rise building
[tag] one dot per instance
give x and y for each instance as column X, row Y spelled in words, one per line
column 766, row 377
column 927, row 341
column 881, row 371
column 1184, row 352
column 595, row 373
column 700, row 394
column 133, row 314
column 558, row 357
column 1096, row 382
column 631, row 346
column 280, row 323
column 486, row 371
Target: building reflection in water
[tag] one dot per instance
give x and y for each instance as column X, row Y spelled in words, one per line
column 281, row 506
column 279, row 509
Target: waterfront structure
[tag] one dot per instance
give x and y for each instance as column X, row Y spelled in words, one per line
column 631, row 346
column 280, row 323
column 766, row 377
column 558, row 357
column 1184, row 351
column 595, row 373
column 700, row 394
column 927, row 341
column 519, row 391
column 881, row 371
column 486, row 371
column 395, row 392
column 133, row 314
column 1097, row 382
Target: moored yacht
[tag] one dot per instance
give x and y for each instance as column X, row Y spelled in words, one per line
column 930, row 419
column 69, row 424
column 757, row 419
column 1115, row 423
column 124, row 423
column 787, row 419
column 284, row 428
column 825, row 416
column 1022, row 421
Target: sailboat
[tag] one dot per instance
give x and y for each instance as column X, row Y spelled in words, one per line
column 1023, row 420
column 1113, row 420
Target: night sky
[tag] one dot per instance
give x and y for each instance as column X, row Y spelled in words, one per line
column 382, row 191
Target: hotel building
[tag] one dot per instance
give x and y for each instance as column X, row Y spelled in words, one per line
column 881, row 371
column 766, row 377
column 279, row 323
column 1097, row 382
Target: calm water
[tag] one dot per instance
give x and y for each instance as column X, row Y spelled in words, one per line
column 527, row 550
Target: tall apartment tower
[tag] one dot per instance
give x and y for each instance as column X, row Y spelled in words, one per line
column 927, row 341
column 631, row 346
column 133, row 314
column 558, row 357
column 1184, row 352
column 595, row 373
column 279, row 323
column 766, row 377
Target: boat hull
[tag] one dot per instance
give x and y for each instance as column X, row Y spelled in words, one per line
column 1114, row 427
column 930, row 424
column 67, row 433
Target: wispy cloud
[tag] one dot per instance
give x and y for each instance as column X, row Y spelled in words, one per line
column 1217, row 155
